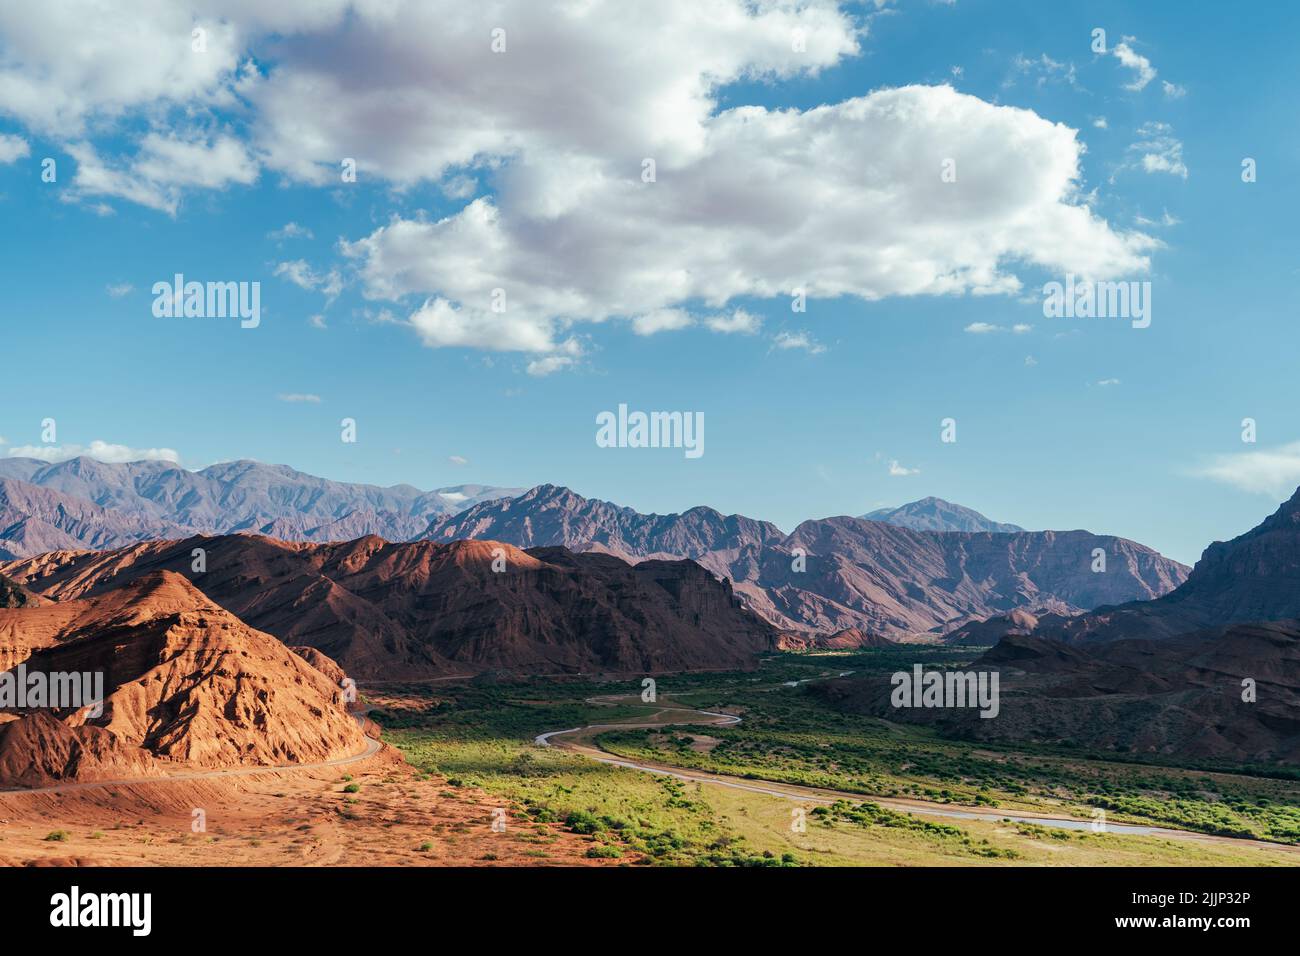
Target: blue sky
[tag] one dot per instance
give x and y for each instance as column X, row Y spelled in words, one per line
column 198, row 166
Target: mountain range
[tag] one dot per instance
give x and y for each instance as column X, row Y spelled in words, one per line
column 935, row 514
column 832, row 574
column 878, row 575
column 1209, row 670
column 1141, row 657
column 1250, row 578
column 419, row 609
column 84, row 503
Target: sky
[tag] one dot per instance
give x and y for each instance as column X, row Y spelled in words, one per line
column 505, row 265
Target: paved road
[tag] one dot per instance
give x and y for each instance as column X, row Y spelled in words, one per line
column 685, row 715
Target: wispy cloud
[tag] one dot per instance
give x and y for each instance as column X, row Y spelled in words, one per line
column 549, row 365
column 1043, row 69
column 299, row 397
column 1157, row 150
column 738, row 322
column 1143, row 71
column 12, row 148
column 120, row 289
column 1166, row 220
column 98, row 450
column 662, row 320
column 988, row 328
column 304, row 276
column 897, row 470
column 1274, row 472
column 290, row 230
column 798, row 340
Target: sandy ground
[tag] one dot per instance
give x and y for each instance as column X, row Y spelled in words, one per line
column 286, row 818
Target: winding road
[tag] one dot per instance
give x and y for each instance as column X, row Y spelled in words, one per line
column 581, row 740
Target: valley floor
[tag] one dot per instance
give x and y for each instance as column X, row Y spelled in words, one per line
column 796, row 784
column 679, row 781
column 378, row 813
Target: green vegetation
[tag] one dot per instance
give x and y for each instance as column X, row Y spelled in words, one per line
column 874, row 815
column 480, row 736
column 792, row 736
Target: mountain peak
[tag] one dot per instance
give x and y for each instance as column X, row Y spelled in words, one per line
column 936, row 514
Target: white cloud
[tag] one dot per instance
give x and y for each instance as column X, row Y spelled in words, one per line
column 1172, row 90
column 740, row 321
column 99, row 450
column 1100, row 122
column 304, row 276
column 1166, row 219
column 458, row 460
column 1030, row 361
column 1157, row 151
column 63, row 64
column 162, row 168
column 119, row 289
column 1044, row 69
column 317, row 321
column 1107, row 382
column 898, row 471
column 1274, row 472
column 988, row 328
column 1143, row 71
column 441, row 324
column 416, row 92
column 662, row 320
column 290, row 230
column 299, row 397
column 13, row 148
column 798, row 340
column 840, row 200
column 833, row 201
column 549, row 365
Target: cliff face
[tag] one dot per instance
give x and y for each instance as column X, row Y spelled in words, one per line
column 185, row 684
column 1254, row 577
